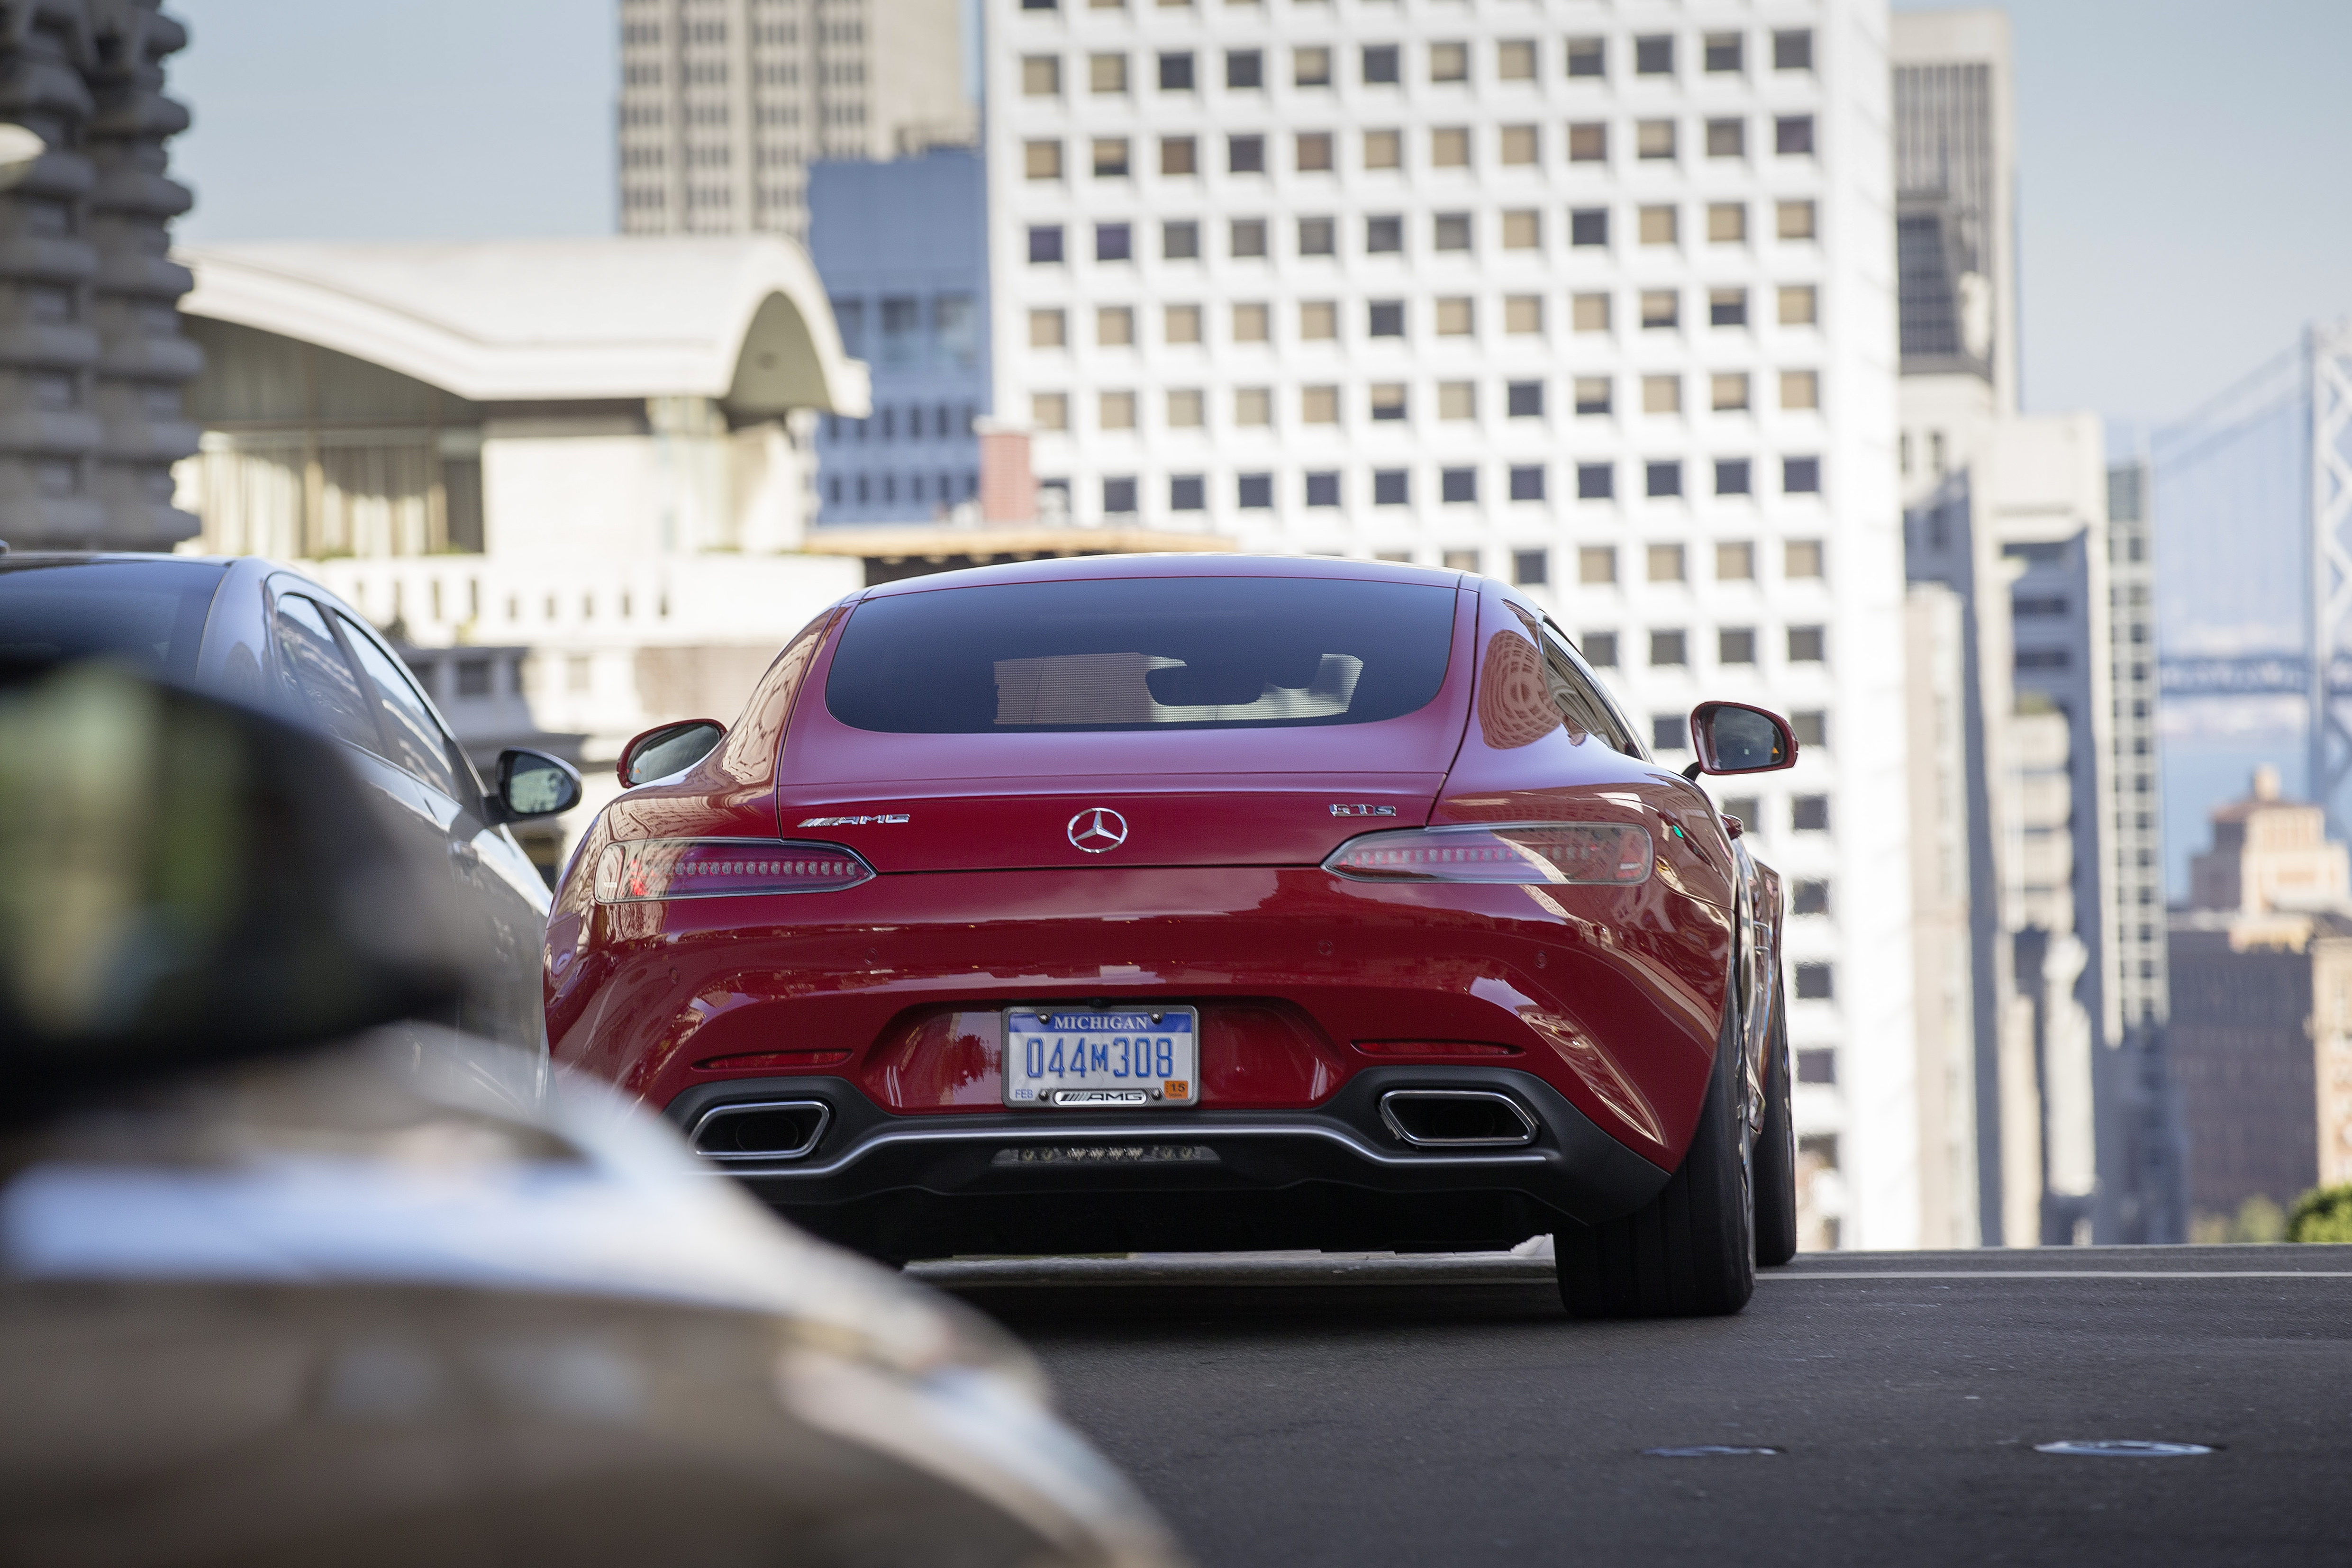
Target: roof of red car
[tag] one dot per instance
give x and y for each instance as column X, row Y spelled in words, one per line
column 1173, row 564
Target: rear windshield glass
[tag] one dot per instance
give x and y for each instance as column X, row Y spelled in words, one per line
column 151, row 612
column 1200, row 652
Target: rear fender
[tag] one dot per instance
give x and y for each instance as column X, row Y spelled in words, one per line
column 1519, row 761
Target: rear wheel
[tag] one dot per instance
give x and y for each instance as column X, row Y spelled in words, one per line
column 1689, row 1251
column 1775, row 1160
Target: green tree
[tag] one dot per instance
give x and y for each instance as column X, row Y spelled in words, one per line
column 2323, row 1214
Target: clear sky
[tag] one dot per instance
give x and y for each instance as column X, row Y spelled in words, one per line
column 2186, row 205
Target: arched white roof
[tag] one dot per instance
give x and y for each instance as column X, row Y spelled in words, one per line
column 530, row 320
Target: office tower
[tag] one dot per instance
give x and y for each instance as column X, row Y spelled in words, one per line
column 725, row 103
column 902, row 247
column 92, row 358
column 1955, row 189
column 2150, row 1143
column 1568, row 298
column 2050, row 555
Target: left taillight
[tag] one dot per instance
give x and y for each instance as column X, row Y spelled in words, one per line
column 1609, row 854
column 644, row 869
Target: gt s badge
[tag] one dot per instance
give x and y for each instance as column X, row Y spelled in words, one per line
column 1363, row 810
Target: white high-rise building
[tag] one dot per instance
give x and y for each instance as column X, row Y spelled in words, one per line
column 725, row 103
column 1596, row 295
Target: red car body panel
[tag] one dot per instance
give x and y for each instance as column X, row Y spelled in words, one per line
column 1614, row 997
column 1360, row 972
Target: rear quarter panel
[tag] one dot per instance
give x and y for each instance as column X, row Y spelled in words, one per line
column 1672, row 939
column 731, row 793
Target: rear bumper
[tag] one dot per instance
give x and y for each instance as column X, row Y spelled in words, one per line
column 1611, row 997
column 1333, row 1177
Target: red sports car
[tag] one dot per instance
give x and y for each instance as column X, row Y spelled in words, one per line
column 1161, row 903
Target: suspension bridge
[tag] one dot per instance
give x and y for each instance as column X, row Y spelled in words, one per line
column 2253, row 512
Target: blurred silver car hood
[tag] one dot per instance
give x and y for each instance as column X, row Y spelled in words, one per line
column 235, row 1314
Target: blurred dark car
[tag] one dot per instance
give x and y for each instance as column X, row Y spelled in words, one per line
column 257, row 632
column 289, row 1277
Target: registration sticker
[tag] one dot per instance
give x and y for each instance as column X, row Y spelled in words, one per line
column 1101, row 1059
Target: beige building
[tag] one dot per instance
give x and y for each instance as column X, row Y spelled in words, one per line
column 2261, row 1006
column 2269, row 854
column 579, row 465
column 725, row 103
column 1942, row 992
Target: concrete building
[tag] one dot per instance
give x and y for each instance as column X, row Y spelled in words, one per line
column 2261, row 1008
column 1569, row 298
column 2049, row 553
column 1944, row 811
column 725, row 103
column 902, row 247
column 91, row 358
column 574, row 458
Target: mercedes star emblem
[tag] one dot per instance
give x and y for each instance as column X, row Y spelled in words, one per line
column 1097, row 829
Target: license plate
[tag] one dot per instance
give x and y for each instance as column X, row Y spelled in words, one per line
column 1086, row 1059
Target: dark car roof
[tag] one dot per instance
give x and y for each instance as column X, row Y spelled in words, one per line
column 20, row 560
column 1173, row 564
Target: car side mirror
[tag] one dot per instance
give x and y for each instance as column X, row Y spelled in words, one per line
column 533, row 784
column 1732, row 738
column 668, row 748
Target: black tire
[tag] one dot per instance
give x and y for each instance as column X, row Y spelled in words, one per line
column 1689, row 1251
column 1774, row 1164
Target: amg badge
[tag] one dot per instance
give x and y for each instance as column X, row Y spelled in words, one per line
column 1104, row 1096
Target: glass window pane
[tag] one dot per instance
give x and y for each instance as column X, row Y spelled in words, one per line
column 328, row 684
column 1139, row 654
column 418, row 744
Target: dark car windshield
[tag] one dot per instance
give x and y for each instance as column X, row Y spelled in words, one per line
column 151, row 612
column 1204, row 652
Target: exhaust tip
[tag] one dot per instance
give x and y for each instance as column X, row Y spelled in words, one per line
column 760, row 1129
column 1457, row 1118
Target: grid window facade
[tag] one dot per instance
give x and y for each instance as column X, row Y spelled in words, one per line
column 1551, row 283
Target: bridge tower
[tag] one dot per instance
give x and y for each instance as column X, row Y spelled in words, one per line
column 2328, row 370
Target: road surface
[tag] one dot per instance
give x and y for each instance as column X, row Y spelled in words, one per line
column 1307, row 1410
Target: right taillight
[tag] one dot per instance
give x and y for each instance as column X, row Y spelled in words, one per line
column 1614, row 854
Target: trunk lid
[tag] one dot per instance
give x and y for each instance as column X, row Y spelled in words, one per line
column 1113, row 820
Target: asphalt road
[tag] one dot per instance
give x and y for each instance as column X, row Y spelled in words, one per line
column 1306, row 1410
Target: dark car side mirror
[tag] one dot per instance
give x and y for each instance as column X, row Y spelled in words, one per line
column 533, row 784
column 193, row 883
column 668, row 748
column 1734, row 737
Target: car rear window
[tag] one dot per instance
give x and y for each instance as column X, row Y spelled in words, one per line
column 1199, row 652
column 151, row 612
